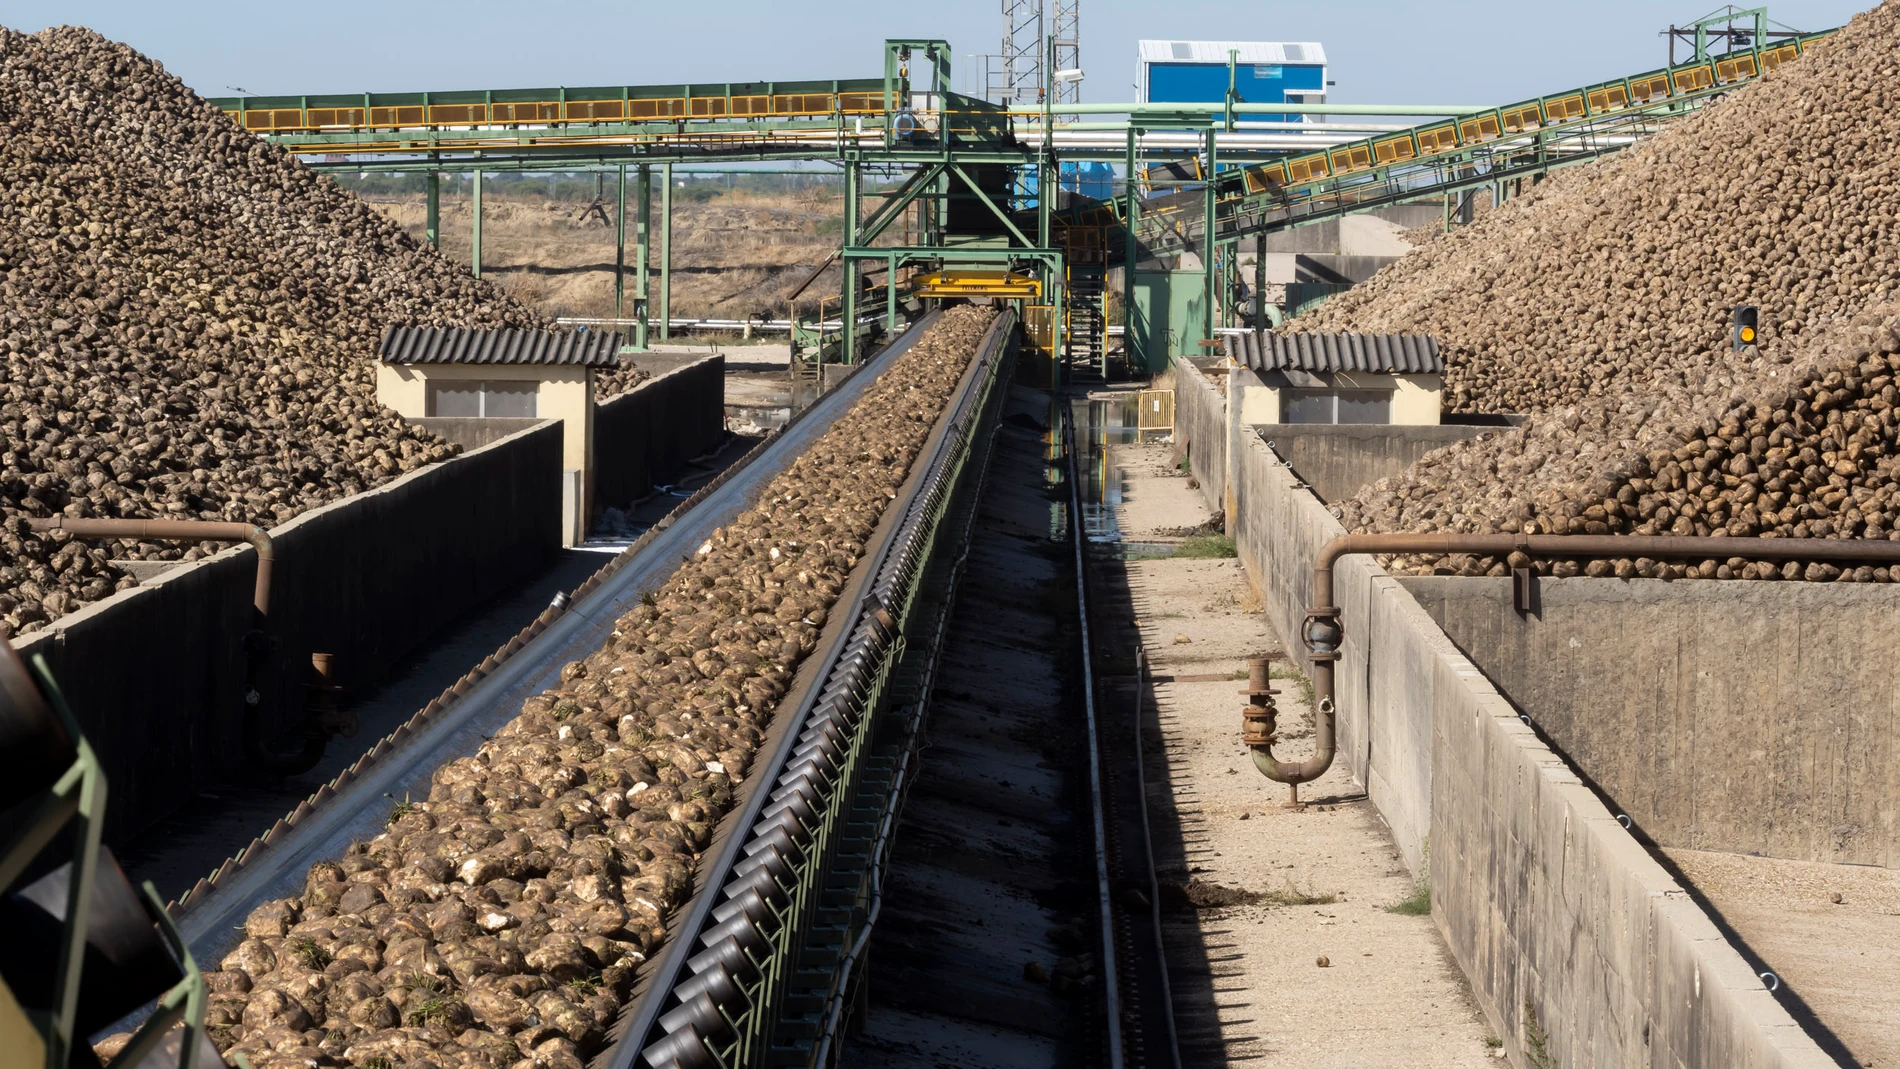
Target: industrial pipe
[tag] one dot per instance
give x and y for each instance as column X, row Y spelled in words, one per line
column 1322, row 633
column 1173, row 110
column 256, row 642
column 179, row 531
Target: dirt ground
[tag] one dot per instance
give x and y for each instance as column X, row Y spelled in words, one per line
column 1317, row 970
column 1831, row 933
column 735, row 256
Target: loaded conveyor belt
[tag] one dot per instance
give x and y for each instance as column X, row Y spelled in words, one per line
column 356, row 810
column 353, row 808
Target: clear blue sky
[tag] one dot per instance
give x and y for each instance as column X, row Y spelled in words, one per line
column 1446, row 52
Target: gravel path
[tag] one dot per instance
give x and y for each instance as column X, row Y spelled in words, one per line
column 1247, row 986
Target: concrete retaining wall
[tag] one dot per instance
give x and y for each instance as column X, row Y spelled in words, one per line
column 1574, row 939
column 1755, row 718
column 645, row 436
column 155, row 674
column 1204, row 425
column 1339, row 461
column 473, row 432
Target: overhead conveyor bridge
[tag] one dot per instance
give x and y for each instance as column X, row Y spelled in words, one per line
column 1434, row 160
column 965, row 156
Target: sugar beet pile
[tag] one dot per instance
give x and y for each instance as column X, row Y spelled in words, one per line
column 503, row 918
column 1617, row 275
column 1601, row 303
column 186, row 318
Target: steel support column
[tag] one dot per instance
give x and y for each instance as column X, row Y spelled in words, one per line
column 848, row 293
column 1052, row 278
column 1131, row 251
column 666, row 251
column 1045, row 197
column 1059, row 330
column 475, row 227
column 1259, row 282
column 1223, row 292
column 890, row 294
column 620, row 243
column 1207, row 241
column 432, row 223
column 644, row 222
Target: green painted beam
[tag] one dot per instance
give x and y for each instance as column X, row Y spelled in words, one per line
column 1209, row 195
column 666, row 251
column 475, row 223
column 595, row 160
column 848, row 291
column 886, row 214
column 1131, row 246
column 954, row 254
column 1154, row 112
column 644, row 196
column 620, row 241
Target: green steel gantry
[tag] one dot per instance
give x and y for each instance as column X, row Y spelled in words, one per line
column 960, row 151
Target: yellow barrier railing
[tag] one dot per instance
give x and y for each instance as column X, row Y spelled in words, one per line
column 558, row 113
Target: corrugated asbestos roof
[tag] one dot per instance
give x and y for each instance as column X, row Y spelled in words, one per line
column 1216, row 52
column 464, row 345
column 1402, row 354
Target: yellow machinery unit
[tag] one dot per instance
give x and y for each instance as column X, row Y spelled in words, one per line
column 976, row 283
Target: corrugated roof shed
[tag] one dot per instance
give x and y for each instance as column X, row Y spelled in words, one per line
column 1216, row 51
column 1398, row 354
column 465, row 345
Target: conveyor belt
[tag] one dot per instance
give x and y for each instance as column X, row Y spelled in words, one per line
column 214, row 918
column 755, row 962
column 1445, row 156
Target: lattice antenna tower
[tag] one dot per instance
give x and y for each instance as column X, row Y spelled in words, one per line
column 1018, row 75
column 1068, row 43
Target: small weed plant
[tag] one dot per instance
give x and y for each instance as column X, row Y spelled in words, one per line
column 1536, row 1043
column 402, row 809
column 1416, row 904
column 1206, row 547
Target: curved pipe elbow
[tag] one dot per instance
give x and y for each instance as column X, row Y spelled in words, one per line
column 1310, row 769
column 1290, row 771
column 179, row 530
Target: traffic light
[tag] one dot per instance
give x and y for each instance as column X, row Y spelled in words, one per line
column 1743, row 329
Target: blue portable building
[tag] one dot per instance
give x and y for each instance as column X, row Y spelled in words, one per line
column 1266, row 72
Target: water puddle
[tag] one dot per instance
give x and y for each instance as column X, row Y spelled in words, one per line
column 775, row 412
column 1100, row 424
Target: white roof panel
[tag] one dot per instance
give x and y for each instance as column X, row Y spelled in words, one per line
column 1216, row 51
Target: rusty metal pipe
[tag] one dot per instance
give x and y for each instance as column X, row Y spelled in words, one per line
column 1322, row 633
column 314, row 732
column 179, row 530
column 1661, row 547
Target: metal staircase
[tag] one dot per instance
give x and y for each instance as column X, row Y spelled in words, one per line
column 1087, row 355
